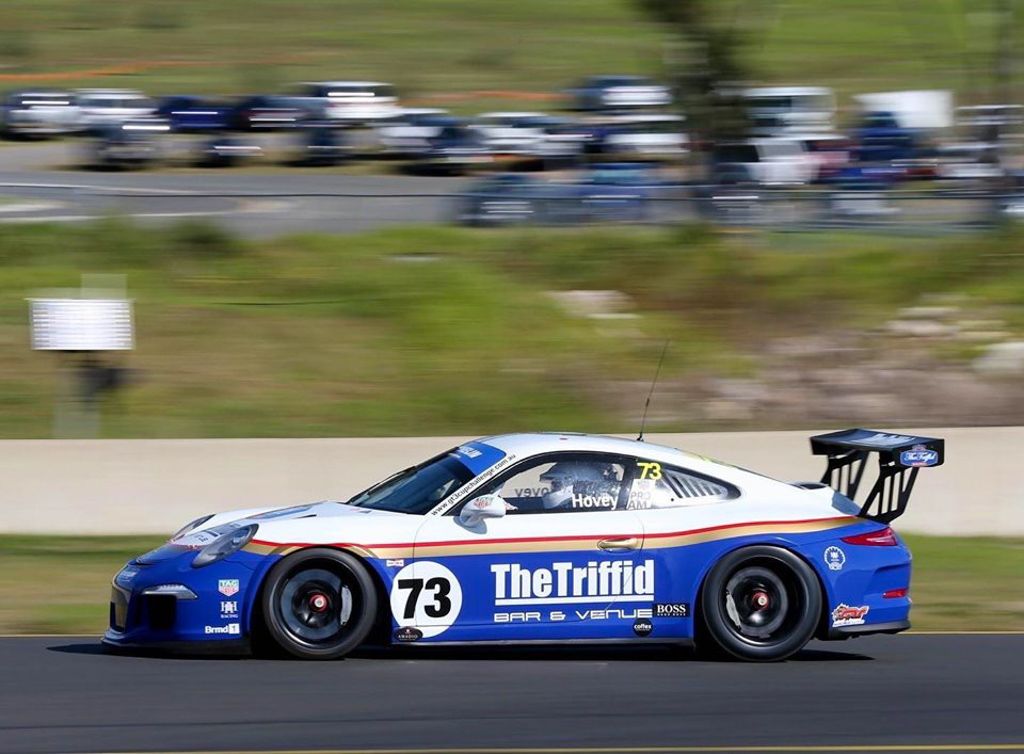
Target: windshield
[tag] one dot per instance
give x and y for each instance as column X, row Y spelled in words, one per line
column 418, row 489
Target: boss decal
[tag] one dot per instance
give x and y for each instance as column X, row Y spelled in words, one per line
column 670, row 610
column 426, row 596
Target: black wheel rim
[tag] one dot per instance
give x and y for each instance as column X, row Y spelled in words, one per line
column 317, row 606
column 760, row 605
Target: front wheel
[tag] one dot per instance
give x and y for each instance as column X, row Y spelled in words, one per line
column 761, row 603
column 319, row 603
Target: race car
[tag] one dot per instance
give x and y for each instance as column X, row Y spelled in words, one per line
column 546, row 538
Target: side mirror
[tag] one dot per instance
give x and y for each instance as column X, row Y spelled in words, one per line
column 479, row 508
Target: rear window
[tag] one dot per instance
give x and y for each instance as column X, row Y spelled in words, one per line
column 660, row 486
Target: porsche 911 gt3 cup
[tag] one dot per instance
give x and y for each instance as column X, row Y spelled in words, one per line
column 547, row 538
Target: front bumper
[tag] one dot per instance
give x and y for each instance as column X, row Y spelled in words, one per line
column 212, row 608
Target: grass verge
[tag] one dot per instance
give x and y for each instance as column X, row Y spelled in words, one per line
column 444, row 330
column 62, row 584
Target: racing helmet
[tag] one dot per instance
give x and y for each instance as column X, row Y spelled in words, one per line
column 562, row 479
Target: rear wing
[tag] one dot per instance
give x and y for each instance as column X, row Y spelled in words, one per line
column 900, row 457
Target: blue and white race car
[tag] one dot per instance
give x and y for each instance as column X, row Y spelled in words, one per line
column 547, row 538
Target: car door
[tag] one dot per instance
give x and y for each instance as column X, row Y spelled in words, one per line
column 564, row 561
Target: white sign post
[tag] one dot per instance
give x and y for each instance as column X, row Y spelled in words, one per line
column 82, row 329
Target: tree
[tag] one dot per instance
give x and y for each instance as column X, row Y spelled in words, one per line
column 704, row 61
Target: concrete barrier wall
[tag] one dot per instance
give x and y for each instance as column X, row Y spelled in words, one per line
column 155, row 486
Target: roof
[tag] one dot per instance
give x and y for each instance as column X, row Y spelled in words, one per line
column 534, row 443
column 525, row 445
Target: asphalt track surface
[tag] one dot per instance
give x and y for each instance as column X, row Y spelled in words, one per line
column 44, row 182
column 904, row 693
column 38, row 183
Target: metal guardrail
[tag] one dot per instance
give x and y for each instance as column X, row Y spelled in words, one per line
column 771, row 208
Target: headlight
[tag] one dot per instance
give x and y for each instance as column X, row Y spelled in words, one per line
column 191, row 525
column 225, row 545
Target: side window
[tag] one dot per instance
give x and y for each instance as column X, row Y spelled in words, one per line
column 564, row 483
column 658, row 486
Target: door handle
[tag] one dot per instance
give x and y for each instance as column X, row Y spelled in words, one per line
column 619, row 545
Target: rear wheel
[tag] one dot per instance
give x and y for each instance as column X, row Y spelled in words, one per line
column 761, row 603
column 319, row 604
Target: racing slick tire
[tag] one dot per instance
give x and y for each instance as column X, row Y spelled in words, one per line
column 760, row 604
column 319, row 604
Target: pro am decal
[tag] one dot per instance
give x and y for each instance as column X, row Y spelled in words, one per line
column 845, row 615
column 425, row 596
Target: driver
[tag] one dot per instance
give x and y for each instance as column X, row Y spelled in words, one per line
column 580, row 485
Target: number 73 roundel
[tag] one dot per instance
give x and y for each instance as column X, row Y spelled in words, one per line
column 426, row 595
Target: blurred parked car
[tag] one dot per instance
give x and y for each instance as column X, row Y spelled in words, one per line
column 619, row 93
column 409, row 132
column 189, row 114
column 514, row 133
column 636, row 175
column 828, row 153
column 503, row 199
column 103, row 107
column 880, row 137
column 455, row 148
column 785, row 110
column 516, row 199
column 970, row 161
column 564, row 143
column 131, row 144
column 1013, row 208
column 767, row 162
column 354, row 102
column 606, row 196
column 39, row 112
column 321, row 144
column 641, row 135
column 265, row 112
column 225, row 150
column 984, row 119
